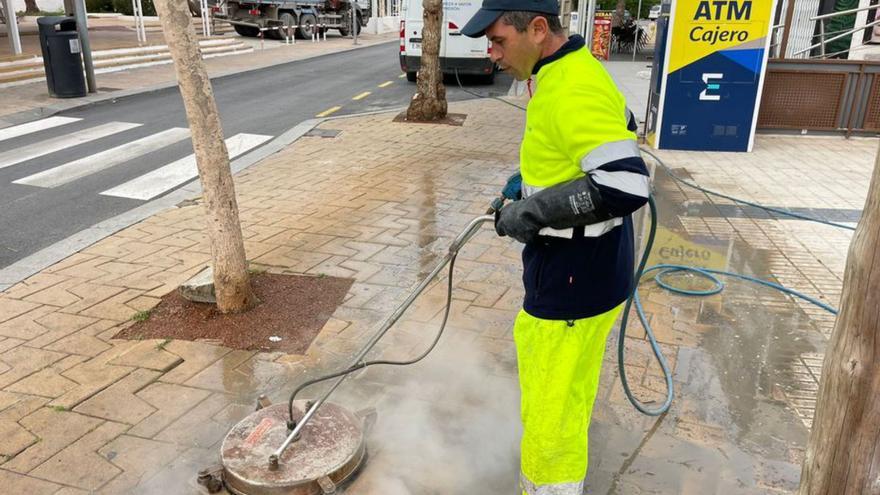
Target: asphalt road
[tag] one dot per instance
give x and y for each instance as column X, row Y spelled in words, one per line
column 49, row 203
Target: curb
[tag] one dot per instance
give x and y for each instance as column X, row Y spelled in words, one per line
column 26, row 116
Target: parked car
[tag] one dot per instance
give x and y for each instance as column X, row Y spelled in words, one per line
column 654, row 13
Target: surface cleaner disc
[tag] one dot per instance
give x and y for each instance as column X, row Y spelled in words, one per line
column 328, row 452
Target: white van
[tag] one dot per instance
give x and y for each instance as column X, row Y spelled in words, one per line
column 458, row 53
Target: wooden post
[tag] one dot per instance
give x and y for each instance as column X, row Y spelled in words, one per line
column 843, row 453
column 786, row 31
column 429, row 102
column 231, row 281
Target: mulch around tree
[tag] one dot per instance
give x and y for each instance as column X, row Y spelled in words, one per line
column 292, row 307
column 453, row 119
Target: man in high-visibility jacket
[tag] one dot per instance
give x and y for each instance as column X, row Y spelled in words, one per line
column 582, row 177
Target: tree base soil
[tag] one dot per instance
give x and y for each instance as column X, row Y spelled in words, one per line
column 291, row 311
column 454, row 119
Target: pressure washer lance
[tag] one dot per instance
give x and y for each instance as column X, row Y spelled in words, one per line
column 295, row 427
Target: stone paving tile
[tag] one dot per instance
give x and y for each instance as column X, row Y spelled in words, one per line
column 119, row 401
column 56, row 430
column 17, row 483
column 222, row 375
column 14, row 438
column 36, row 283
column 78, row 465
column 139, row 459
column 27, row 326
column 148, row 354
column 197, row 428
column 23, row 361
column 93, row 375
column 170, row 402
column 195, row 358
column 10, row 308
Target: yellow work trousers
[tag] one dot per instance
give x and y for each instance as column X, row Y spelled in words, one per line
column 559, row 365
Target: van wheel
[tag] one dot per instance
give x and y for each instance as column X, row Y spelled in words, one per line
column 411, row 76
column 488, row 78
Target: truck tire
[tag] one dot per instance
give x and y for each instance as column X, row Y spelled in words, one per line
column 308, row 25
column 246, row 31
column 411, row 76
column 287, row 19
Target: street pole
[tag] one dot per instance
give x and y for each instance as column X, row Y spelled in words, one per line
column 12, row 27
column 354, row 28
column 638, row 29
column 588, row 24
column 83, row 28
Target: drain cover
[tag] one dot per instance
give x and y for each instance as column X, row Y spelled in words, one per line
column 330, row 449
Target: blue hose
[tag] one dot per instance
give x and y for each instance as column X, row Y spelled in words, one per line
column 666, row 269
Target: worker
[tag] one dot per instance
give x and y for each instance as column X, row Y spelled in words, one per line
column 581, row 179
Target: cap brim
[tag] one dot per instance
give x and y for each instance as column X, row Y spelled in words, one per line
column 480, row 22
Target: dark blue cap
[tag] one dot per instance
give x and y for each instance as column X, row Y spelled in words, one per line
column 492, row 10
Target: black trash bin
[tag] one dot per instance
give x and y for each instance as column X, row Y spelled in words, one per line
column 62, row 56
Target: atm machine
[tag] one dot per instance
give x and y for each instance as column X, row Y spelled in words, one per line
column 708, row 70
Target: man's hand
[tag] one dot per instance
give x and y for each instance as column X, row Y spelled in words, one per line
column 509, row 222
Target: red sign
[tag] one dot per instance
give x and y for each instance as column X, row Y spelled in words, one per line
column 602, row 36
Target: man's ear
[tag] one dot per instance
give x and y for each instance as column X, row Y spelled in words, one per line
column 539, row 29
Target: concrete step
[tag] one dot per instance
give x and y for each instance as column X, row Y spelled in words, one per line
column 18, row 71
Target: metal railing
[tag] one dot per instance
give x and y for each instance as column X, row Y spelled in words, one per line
column 821, row 19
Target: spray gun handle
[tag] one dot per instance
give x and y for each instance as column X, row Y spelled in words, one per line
column 496, row 205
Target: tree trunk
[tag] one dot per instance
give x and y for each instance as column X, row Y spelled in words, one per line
column 231, row 282
column 843, row 454
column 429, row 102
column 30, row 7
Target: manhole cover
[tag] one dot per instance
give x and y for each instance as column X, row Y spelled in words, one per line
column 328, row 452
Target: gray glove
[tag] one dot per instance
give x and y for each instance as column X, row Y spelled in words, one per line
column 573, row 204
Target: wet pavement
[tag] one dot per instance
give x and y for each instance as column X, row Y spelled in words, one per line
column 380, row 202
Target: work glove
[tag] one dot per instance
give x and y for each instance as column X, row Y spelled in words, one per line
column 513, row 189
column 573, row 204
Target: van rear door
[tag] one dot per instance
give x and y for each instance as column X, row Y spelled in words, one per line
column 456, row 13
column 411, row 13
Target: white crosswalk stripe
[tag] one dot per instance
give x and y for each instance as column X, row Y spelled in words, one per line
column 103, row 160
column 39, row 125
column 36, row 150
column 154, row 183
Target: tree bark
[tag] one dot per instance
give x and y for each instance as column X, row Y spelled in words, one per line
column 429, row 102
column 843, row 453
column 231, row 281
column 30, row 7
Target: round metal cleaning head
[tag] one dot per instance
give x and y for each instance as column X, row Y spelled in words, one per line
column 329, row 450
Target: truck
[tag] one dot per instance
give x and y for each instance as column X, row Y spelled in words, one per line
column 280, row 19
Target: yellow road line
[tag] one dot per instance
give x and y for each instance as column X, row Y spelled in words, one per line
column 401, row 76
column 362, row 95
column 327, row 112
column 386, row 83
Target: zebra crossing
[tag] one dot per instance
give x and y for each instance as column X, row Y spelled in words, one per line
column 166, row 177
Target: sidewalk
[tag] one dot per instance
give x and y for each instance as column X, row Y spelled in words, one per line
column 81, row 412
column 30, row 101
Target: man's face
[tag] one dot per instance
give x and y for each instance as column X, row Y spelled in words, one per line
column 516, row 53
